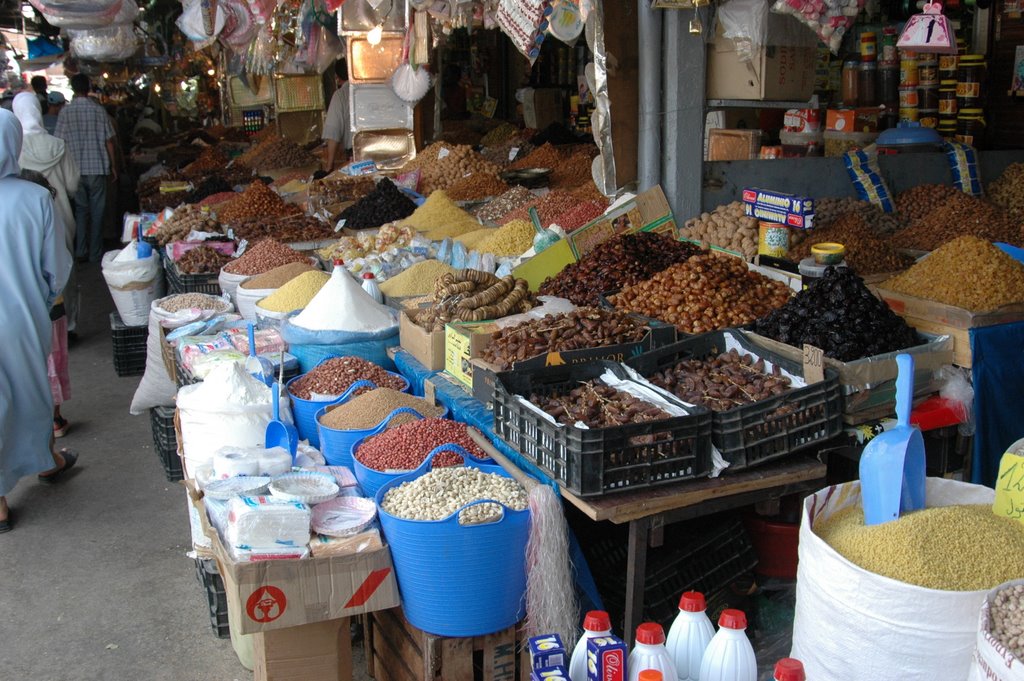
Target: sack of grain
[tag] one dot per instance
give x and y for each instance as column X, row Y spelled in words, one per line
column 134, row 283
column 855, row 625
column 994, row 660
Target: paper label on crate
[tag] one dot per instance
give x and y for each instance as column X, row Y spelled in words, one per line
column 1009, row 501
column 266, row 604
column 814, row 370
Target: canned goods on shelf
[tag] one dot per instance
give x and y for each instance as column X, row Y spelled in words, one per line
column 928, row 118
column 908, row 114
column 909, row 97
column 908, row 73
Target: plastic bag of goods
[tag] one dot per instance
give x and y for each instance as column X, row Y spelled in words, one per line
column 342, row 319
column 999, row 655
column 229, row 409
column 134, row 282
column 111, row 43
column 193, row 25
column 79, row 13
column 913, row 633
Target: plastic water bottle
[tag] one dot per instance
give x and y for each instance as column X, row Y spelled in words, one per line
column 650, row 653
column 689, row 635
column 729, row 656
column 370, row 286
column 595, row 624
column 789, row 669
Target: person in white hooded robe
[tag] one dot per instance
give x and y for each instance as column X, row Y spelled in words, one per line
column 34, row 266
column 49, row 156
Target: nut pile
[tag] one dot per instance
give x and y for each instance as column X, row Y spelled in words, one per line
column 405, row 447
column 952, row 548
column 473, row 296
column 598, row 406
column 184, row 220
column 917, row 202
column 334, row 376
column 386, row 203
column 515, row 197
column 838, row 314
column 544, row 156
column 477, row 186
column 277, row 277
column 440, row 493
column 866, row 252
column 726, row 227
column 967, row 272
column 293, row 229
column 187, row 301
column 1006, row 621
column 584, row 327
column 958, row 216
column 211, row 159
column 202, row 260
column 500, row 154
column 500, row 134
column 548, row 208
column 705, row 293
column 722, row 382
column 441, row 165
column 257, row 201
column 827, row 211
column 574, row 168
column 616, row 263
column 581, row 214
column 1008, row 191
column 371, row 408
column 263, row 256
column 277, row 153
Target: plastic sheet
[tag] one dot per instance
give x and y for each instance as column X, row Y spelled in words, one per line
column 743, row 22
column 112, row 43
column 78, row 13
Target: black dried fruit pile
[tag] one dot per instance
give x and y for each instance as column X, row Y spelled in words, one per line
column 386, row 203
column 838, row 314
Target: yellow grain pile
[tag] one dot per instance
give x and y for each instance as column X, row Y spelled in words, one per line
column 512, row 238
column 952, row 548
column 417, row 280
column 296, row 294
column 439, row 218
column 471, row 239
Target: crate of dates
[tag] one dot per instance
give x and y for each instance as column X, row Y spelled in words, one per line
column 596, row 431
column 762, row 407
column 194, row 272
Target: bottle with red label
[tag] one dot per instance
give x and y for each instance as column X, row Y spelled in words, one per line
column 650, row 653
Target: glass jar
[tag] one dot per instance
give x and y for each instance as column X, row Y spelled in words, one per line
column 928, row 97
column 947, row 98
column 928, row 70
column 868, row 46
column 888, row 54
column 948, row 64
column 970, row 75
column 889, row 85
column 970, row 125
column 851, row 77
column 867, row 84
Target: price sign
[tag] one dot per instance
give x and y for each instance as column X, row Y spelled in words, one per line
column 242, row 245
column 814, row 370
column 341, row 224
column 1009, row 501
column 512, row 153
column 442, row 154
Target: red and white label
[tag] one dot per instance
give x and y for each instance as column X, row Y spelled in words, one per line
column 266, row 604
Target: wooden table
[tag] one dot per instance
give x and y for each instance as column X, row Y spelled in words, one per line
column 648, row 512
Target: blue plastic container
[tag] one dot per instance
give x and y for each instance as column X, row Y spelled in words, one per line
column 305, row 411
column 459, row 580
column 337, row 444
column 372, row 480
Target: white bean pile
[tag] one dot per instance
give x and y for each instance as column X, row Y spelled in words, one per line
column 441, row 492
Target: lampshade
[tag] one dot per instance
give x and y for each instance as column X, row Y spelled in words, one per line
column 929, row 31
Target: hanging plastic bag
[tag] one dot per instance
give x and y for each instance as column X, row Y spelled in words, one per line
column 829, row 19
column 79, row 13
column 744, row 23
column 239, row 25
column 113, row 43
column 192, row 24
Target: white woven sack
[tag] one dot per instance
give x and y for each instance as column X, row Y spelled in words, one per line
column 229, row 283
column 854, row 625
column 246, row 299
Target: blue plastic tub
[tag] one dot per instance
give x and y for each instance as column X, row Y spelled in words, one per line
column 337, row 444
column 459, row 580
column 305, row 411
column 372, row 480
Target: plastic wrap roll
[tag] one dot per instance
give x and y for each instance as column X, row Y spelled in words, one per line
column 229, row 463
column 274, row 461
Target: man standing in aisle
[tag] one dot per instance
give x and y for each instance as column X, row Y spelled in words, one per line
column 54, row 103
column 85, row 127
column 337, row 128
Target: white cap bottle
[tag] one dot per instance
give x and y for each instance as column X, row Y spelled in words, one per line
column 729, row 656
column 595, row 624
column 650, row 653
column 371, row 287
column 689, row 635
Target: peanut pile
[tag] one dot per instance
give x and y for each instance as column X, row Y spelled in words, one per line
column 1007, row 619
column 917, row 202
column 404, row 448
column 705, row 293
column 263, row 256
column 334, row 376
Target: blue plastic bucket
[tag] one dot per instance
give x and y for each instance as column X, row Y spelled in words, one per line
column 459, row 580
column 372, row 480
column 305, row 411
column 337, row 444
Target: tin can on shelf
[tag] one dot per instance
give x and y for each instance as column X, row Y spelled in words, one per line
column 928, row 118
column 947, row 98
column 908, row 73
column 970, row 125
column 772, row 239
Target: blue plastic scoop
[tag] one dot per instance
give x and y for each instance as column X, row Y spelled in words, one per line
column 892, row 468
column 279, row 433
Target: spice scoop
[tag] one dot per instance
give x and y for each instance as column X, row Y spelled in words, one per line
column 545, row 237
column 279, row 433
column 892, row 468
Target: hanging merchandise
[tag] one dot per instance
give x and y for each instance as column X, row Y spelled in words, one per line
column 524, row 21
column 566, row 22
column 78, row 13
column 830, row 19
column 929, row 32
column 193, row 24
column 112, row 43
column 410, row 83
column 239, row 27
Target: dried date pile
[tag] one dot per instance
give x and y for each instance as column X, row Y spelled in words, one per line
column 616, row 263
column 585, row 327
column 838, row 314
column 202, row 260
column 722, row 382
column 598, row 406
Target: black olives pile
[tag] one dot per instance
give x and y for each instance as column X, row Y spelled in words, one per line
column 838, row 314
column 386, row 203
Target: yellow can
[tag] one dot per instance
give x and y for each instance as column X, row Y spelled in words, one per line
column 772, row 239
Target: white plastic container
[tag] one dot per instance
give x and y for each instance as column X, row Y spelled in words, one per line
column 371, row 287
column 595, row 624
column 789, row 669
column 729, row 656
column 689, row 635
column 650, row 653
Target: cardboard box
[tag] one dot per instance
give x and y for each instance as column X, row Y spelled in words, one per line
column 277, row 594
column 733, row 145
column 646, row 212
column 783, row 69
column 852, row 120
column 321, row 651
column 426, row 346
column 464, row 341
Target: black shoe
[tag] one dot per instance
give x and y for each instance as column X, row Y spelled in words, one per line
column 7, row 525
column 70, row 458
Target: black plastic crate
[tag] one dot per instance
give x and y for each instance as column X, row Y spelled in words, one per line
column 129, row 344
column 590, row 462
column 216, row 596
column 177, row 282
column 767, row 430
column 165, row 441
